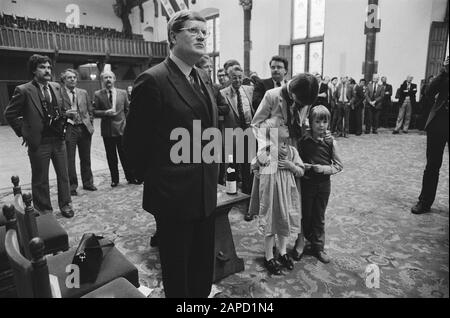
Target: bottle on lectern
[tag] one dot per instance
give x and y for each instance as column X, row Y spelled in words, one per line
column 231, row 184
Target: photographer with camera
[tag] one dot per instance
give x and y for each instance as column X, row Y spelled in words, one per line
column 35, row 113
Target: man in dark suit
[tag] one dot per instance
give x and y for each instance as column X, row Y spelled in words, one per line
column 407, row 101
column 181, row 193
column 111, row 104
column 324, row 91
column 437, row 136
column 374, row 104
column 343, row 96
column 278, row 67
column 387, row 100
column 78, row 107
column 34, row 113
column 359, row 96
column 239, row 99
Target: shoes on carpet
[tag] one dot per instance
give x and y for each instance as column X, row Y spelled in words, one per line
column 323, row 257
column 405, row 131
column 375, row 132
column 73, row 192
column 272, row 266
column 420, row 208
column 286, row 262
column 114, row 184
column 90, row 188
column 67, row 212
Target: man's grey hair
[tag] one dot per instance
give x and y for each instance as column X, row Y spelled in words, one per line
column 107, row 73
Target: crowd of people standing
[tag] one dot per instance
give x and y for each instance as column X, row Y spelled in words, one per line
column 309, row 111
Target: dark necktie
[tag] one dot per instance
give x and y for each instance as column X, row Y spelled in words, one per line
column 240, row 109
column 47, row 95
column 74, row 102
column 110, row 97
column 193, row 79
column 278, row 84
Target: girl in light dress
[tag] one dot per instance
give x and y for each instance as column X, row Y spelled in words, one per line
column 278, row 168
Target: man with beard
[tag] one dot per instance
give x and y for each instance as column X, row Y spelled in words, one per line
column 34, row 113
column 278, row 68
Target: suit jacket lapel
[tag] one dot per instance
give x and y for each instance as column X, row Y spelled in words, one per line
column 104, row 95
column 249, row 99
column 118, row 101
column 57, row 92
column 81, row 106
column 36, row 100
column 184, row 89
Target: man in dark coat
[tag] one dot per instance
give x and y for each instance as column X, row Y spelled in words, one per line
column 437, row 136
column 168, row 99
column 35, row 112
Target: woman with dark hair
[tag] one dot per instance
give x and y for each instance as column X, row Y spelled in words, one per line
column 290, row 103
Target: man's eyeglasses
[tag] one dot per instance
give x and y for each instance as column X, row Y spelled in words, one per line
column 197, row 31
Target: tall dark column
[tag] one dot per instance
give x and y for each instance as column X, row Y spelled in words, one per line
column 371, row 28
column 247, row 5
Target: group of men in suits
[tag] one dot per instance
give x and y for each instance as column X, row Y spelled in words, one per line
column 54, row 120
column 363, row 100
column 35, row 112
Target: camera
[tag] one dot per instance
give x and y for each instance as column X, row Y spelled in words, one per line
column 58, row 124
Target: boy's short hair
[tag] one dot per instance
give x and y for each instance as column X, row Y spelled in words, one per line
column 319, row 112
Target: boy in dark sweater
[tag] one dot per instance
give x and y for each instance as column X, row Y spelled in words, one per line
column 321, row 160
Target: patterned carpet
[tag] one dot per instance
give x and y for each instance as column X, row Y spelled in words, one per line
column 368, row 221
